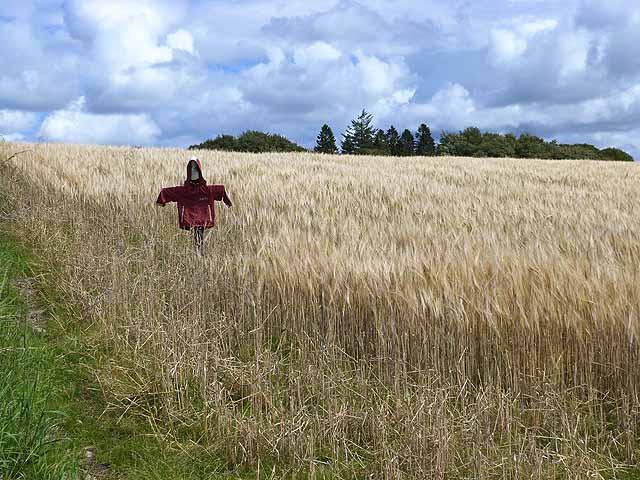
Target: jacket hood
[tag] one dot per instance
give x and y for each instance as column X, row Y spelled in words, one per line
column 194, row 164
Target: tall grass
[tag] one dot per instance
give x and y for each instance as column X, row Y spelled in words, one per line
column 400, row 318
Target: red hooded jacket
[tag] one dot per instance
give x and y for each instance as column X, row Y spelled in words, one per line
column 195, row 199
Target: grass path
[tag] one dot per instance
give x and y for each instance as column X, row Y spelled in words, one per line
column 53, row 410
column 31, row 441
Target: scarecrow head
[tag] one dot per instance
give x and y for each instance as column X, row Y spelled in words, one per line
column 194, row 170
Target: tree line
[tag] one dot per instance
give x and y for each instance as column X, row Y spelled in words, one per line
column 250, row 141
column 471, row 142
column 362, row 138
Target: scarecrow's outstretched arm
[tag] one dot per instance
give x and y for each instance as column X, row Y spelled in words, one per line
column 167, row 195
column 219, row 193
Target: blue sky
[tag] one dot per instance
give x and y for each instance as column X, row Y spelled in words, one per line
column 172, row 73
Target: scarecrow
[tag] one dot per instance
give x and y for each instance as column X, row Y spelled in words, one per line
column 195, row 199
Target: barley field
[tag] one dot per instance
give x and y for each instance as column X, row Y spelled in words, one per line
column 357, row 317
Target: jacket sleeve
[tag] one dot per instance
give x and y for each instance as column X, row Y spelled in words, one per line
column 219, row 193
column 170, row 194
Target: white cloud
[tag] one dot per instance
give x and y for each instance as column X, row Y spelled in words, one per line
column 139, row 56
column 123, row 34
column 16, row 121
column 36, row 65
column 181, row 40
column 322, row 82
column 386, row 107
column 529, row 27
column 573, row 49
column 227, row 32
column 380, row 77
column 316, row 52
column 75, row 125
column 508, row 44
column 15, row 124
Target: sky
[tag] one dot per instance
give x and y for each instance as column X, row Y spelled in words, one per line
column 173, row 73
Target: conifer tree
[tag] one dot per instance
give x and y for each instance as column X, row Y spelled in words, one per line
column 359, row 135
column 424, row 141
column 393, row 141
column 326, row 142
column 407, row 144
column 347, row 146
column 380, row 145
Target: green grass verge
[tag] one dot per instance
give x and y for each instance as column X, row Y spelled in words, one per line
column 51, row 406
column 32, row 445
